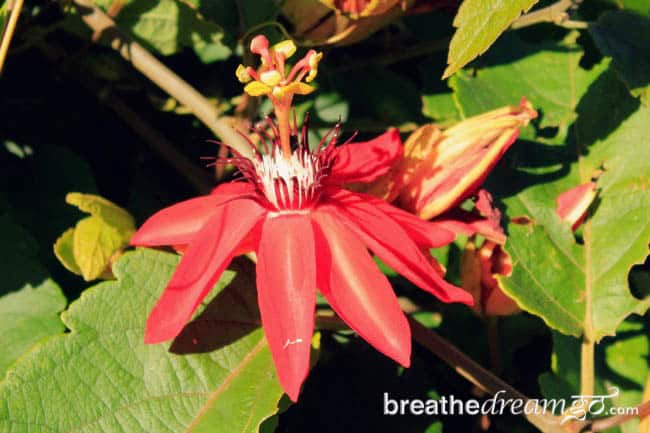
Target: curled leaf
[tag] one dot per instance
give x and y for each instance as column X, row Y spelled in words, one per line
column 89, row 247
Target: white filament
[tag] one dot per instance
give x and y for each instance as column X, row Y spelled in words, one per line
column 289, row 182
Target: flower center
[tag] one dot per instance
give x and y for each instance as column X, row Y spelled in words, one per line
column 290, row 183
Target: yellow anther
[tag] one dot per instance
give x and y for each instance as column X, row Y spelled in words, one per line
column 299, row 88
column 270, row 78
column 295, row 88
column 286, row 48
column 242, row 74
column 313, row 66
column 255, row 88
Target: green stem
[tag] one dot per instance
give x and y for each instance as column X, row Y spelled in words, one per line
column 587, row 366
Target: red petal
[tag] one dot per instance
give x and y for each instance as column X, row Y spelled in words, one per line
column 205, row 259
column 358, row 292
column 572, row 205
column 286, row 287
column 366, row 161
column 386, row 238
column 424, row 233
column 178, row 224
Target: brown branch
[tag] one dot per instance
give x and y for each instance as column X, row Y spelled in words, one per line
column 9, row 28
column 161, row 75
column 555, row 13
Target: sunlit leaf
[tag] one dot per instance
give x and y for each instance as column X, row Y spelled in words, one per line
column 30, row 302
column 217, row 376
column 87, row 249
column 549, row 76
column 479, row 23
column 582, row 287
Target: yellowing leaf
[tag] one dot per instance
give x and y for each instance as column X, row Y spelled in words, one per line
column 100, row 207
column 94, row 242
column 64, row 251
column 87, row 249
column 479, row 24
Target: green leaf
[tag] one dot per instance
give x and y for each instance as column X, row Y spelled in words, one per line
column 88, row 248
column 170, row 25
column 624, row 36
column 330, row 107
column 30, row 301
column 621, row 363
column 626, row 358
column 479, row 23
column 27, row 317
column 440, row 107
column 3, row 14
column 548, row 75
column 582, row 288
column 217, row 375
column 641, row 7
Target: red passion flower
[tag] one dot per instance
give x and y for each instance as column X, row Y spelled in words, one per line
column 308, row 233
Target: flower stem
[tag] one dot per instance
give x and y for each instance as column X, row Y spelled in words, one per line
column 282, row 109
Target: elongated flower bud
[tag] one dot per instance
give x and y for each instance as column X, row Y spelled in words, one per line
column 442, row 168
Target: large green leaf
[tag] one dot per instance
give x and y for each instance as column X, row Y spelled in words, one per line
column 623, row 36
column 440, row 107
column 582, row 287
column 217, row 376
column 548, row 75
column 30, row 301
column 479, row 23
